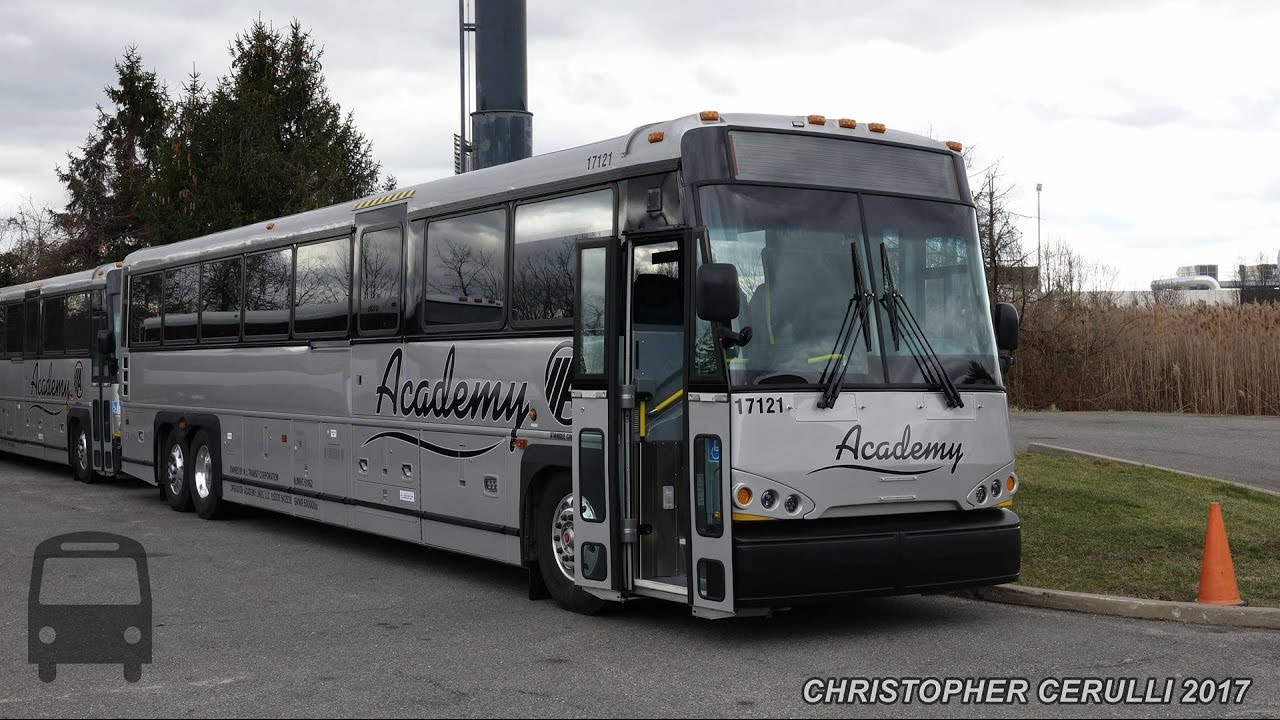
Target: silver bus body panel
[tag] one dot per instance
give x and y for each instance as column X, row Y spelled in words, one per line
column 40, row 397
column 877, row 453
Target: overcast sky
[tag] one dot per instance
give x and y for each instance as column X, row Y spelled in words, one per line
column 1153, row 126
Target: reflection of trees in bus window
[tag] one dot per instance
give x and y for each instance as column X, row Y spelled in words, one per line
column 78, row 323
column 54, row 317
column 466, row 266
column 380, row 269
column 181, row 298
column 591, row 312
column 323, row 290
column 220, row 304
column 267, row 279
column 144, row 308
column 545, row 237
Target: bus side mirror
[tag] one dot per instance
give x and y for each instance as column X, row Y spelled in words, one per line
column 106, row 342
column 1006, row 322
column 718, row 292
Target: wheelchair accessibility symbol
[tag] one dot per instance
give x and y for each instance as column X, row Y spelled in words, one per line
column 89, row 602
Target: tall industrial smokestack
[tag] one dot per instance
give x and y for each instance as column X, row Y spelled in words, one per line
column 501, row 126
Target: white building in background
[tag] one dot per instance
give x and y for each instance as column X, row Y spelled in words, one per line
column 1176, row 296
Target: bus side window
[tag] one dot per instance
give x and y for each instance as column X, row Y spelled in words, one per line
column 55, row 316
column 542, row 277
column 31, row 346
column 181, row 301
column 79, row 334
column 221, row 299
column 144, row 309
column 13, row 325
column 322, row 288
column 268, row 278
column 381, row 266
column 465, row 279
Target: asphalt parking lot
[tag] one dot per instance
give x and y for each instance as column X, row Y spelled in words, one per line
column 266, row 615
column 1229, row 447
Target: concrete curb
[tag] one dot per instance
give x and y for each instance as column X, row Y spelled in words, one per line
column 1043, row 449
column 1187, row 612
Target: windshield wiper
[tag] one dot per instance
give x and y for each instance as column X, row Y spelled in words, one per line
column 855, row 312
column 903, row 326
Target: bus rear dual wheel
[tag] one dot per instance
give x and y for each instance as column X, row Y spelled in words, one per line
column 192, row 477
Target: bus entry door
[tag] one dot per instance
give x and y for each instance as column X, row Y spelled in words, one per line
column 599, row 486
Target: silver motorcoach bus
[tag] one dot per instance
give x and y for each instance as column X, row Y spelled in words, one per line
column 734, row 361
column 58, row 396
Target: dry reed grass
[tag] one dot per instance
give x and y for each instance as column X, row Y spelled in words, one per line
column 1093, row 355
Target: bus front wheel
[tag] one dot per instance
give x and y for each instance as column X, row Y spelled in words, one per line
column 80, row 462
column 206, row 476
column 556, row 559
column 48, row 672
column 175, row 478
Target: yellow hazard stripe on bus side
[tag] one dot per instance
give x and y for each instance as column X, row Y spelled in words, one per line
column 384, row 199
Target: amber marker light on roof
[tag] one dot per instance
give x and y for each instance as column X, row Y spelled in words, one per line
column 848, row 123
column 656, row 137
column 709, row 116
column 955, row 146
column 876, row 127
column 817, row 119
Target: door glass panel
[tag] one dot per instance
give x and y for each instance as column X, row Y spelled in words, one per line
column 660, row 461
column 591, row 476
column 707, row 488
column 591, row 312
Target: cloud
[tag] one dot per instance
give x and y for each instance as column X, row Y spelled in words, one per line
column 1149, row 117
column 1145, row 121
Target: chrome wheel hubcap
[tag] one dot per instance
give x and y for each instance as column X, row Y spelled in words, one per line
column 562, row 535
column 82, row 450
column 203, row 472
column 176, row 469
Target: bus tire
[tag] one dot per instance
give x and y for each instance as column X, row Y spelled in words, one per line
column 175, row 478
column 556, row 572
column 48, row 672
column 81, row 451
column 132, row 672
column 206, row 476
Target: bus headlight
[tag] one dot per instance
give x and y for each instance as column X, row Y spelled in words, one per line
column 48, row 635
column 768, row 499
column 132, row 635
column 742, row 496
column 792, row 504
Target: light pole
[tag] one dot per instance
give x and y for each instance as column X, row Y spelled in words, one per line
column 1038, row 259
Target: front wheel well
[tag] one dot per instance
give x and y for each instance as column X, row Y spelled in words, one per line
column 528, row 501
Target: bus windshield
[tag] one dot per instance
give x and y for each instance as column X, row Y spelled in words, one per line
column 101, row 580
column 795, row 251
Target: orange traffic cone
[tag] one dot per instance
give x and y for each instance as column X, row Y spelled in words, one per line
column 1217, row 576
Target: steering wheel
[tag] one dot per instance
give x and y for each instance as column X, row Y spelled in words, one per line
column 779, row 379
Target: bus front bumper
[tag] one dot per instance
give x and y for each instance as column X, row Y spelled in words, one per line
column 794, row 562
